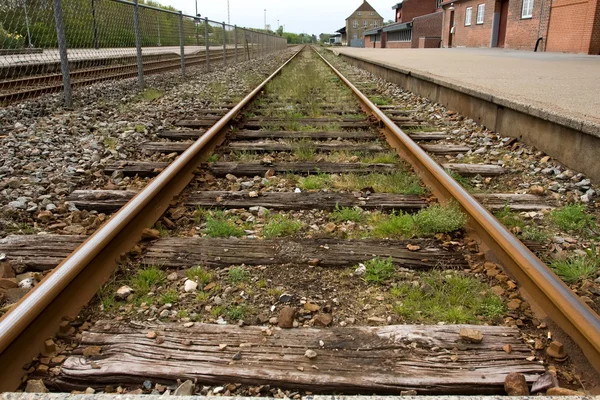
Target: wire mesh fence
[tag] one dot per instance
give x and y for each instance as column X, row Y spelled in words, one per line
column 55, row 45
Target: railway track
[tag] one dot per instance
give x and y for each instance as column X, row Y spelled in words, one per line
column 291, row 210
column 25, row 87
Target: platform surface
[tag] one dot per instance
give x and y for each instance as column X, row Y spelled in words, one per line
column 566, row 85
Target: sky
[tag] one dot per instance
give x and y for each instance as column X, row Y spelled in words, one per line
column 308, row 16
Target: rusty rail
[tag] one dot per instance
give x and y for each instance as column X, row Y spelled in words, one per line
column 64, row 291
column 555, row 298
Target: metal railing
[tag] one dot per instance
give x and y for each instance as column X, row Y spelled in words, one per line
column 53, row 45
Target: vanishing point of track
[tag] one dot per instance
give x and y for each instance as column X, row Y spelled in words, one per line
column 76, row 280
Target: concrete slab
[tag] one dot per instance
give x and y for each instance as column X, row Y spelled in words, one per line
column 562, row 88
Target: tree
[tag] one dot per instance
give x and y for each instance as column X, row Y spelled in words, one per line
column 280, row 31
column 324, row 37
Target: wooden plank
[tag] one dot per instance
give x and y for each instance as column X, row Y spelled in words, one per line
column 325, row 110
column 258, row 168
column 140, row 168
column 516, row 202
column 190, row 251
column 475, row 169
column 445, row 148
column 432, row 360
column 302, row 135
column 284, row 124
column 38, row 252
column 181, row 135
column 429, row 136
column 180, row 147
column 268, row 147
column 111, row 200
column 307, row 120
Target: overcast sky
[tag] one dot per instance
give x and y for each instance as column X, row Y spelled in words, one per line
column 310, row 16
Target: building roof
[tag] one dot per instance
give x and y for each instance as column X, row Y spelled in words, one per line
column 397, row 27
column 366, row 7
column 342, row 31
column 370, row 32
column 397, row 6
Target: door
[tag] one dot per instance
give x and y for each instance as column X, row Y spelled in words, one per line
column 450, row 29
column 502, row 25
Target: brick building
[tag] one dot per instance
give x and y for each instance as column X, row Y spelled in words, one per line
column 364, row 18
column 418, row 25
column 550, row 25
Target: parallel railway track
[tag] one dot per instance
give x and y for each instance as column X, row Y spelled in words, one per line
column 75, row 281
column 25, row 87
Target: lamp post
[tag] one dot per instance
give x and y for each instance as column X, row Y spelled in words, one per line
column 228, row 14
column 27, row 24
column 196, row 23
column 265, row 19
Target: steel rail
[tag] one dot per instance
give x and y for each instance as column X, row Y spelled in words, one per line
column 64, row 291
column 550, row 293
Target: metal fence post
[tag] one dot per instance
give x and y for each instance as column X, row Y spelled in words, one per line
column 235, row 39
column 207, row 43
column 138, row 43
column 224, row 45
column 62, row 49
column 181, row 43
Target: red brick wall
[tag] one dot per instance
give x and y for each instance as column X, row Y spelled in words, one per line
column 521, row 33
column 427, row 26
column 572, row 26
column 595, row 42
column 398, row 45
column 415, row 8
column 370, row 44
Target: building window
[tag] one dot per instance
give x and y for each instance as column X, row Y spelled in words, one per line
column 468, row 14
column 376, row 24
column 360, row 13
column 366, row 24
column 480, row 11
column 371, row 13
column 527, row 11
column 438, row 3
column 355, row 24
column 355, row 36
column 404, row 35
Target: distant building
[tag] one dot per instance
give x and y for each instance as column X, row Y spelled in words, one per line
column 343, row 38
column 558, row 25
column 418, row 25
column 363, row 19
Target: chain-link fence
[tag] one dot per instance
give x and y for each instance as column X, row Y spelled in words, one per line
column 55, row 45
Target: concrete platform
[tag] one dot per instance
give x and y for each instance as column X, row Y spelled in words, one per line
column 564, row 84
column 544, row 99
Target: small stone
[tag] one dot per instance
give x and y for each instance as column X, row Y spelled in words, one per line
column 92, row 351
column 497, row 290
column 323, row 320
column 253, row 194
column 412, row 247
column 376, row 320
column 151, row 335
column 543, row 382
column 285, row 298
column 270, row 173
column 360, row 270
column 507, row 348
column 537, row 190
column 231, row 178
column 514, row 304
column 311, row 307
column 222, row 346
column 6, row 271
column 123, row 292
column 515, row 384
column 36, row 386
column 187, row 388
column 314, row 262
column 557, row 391
column 190, row 286
column 557, row 351
column 172, row 276
column 92, row 390
column 408, row 393
column 8, row 284
column 237, row 356
column 471, row 335
column 310, row 354
column 286, row 318
column 150, row 234
column 545, row 159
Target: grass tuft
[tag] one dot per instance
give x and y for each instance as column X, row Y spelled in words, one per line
column 218, row 226
column 170, row 296
column 443, row 297
column 280, row 225
column 304, row 150
column 342, row 214
column 571, row 217
column 379, row 270
column 439, row 218
column 199, row 275
column 237, row 312
column 401, row 182
column 314, row 182
column 238, row 275
column 146, row 278
column 576, row 268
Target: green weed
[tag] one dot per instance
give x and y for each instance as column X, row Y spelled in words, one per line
column 379, row 270
column 218, row 226
column 314, row 182
column 439, row 218
column 237, row 312
column 341, row 214
column 169, row 297
column 199, row 275
column 577, row 268
column 280, row 225
column 571, row 218
column 237, row 275
column 146, row 279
